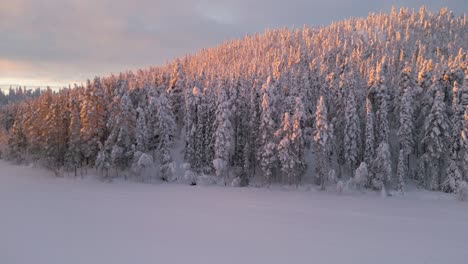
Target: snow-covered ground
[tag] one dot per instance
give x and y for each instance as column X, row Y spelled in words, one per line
column 47, row 220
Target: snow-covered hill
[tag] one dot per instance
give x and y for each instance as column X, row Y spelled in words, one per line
column 47, row 220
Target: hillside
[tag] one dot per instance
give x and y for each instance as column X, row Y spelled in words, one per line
column 380, row 100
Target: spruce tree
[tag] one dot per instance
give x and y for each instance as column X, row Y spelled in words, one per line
column 323, row 137
column 267, row 150
column 223, row 135
column 402, row 171
column 436, row 137
column 352, row 132
column 167, row 131
column 73, row 156
column 382, row 167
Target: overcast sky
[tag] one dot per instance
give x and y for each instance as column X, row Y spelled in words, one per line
column 61, row 41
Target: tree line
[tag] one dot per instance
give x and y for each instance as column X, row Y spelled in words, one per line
column 380, row 100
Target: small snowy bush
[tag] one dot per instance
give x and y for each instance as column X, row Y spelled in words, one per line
column 340, row 187
column 332, row 179
column 361, row 176
column 145, row 161
column 220, row 166
column 206, row 180
column 454, row 178
column 236, row 182
column 462, row 191
column 189, row 176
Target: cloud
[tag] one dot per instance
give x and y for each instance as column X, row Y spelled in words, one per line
column 68, row 40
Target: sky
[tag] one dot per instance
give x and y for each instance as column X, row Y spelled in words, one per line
column 58, row 42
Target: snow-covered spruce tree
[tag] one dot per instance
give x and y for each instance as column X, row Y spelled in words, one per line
column 406, row 130
column 425, row 93
column 209, row 134
column 17, row 143
column 152, row 124
column 267, row 149
column 121, row 153
column 53, row 136
column 297, row 138
column 405, row 136
column 444, row 85
column 176, row 93
column 369, row 151
column 382, row 167
column 238, row 138
column 103, row 160
column 422, row 171
column 352, row 132
column 252, row 140
column 141, row 132
column 465, row 141
column 457, row 122
column 453, row 179
column 205, row 132
column 192, row 99
column 223, row 135
column 402, row 171
column 336, row 102
column 405, row 85
column 286, row 155
column 323, row 137
column 436, row 137
column 93, row 116
column 167, row 130
column 73, row 155
column 123, row 127
column 383, row 129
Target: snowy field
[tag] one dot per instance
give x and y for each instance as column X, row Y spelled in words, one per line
column 47, row 220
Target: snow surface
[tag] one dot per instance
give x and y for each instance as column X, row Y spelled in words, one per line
column 48, row 220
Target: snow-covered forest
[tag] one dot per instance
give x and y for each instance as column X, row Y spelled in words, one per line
column 374, row 102
column 18, row 94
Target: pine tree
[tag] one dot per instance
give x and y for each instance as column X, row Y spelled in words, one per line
column 322, row 137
